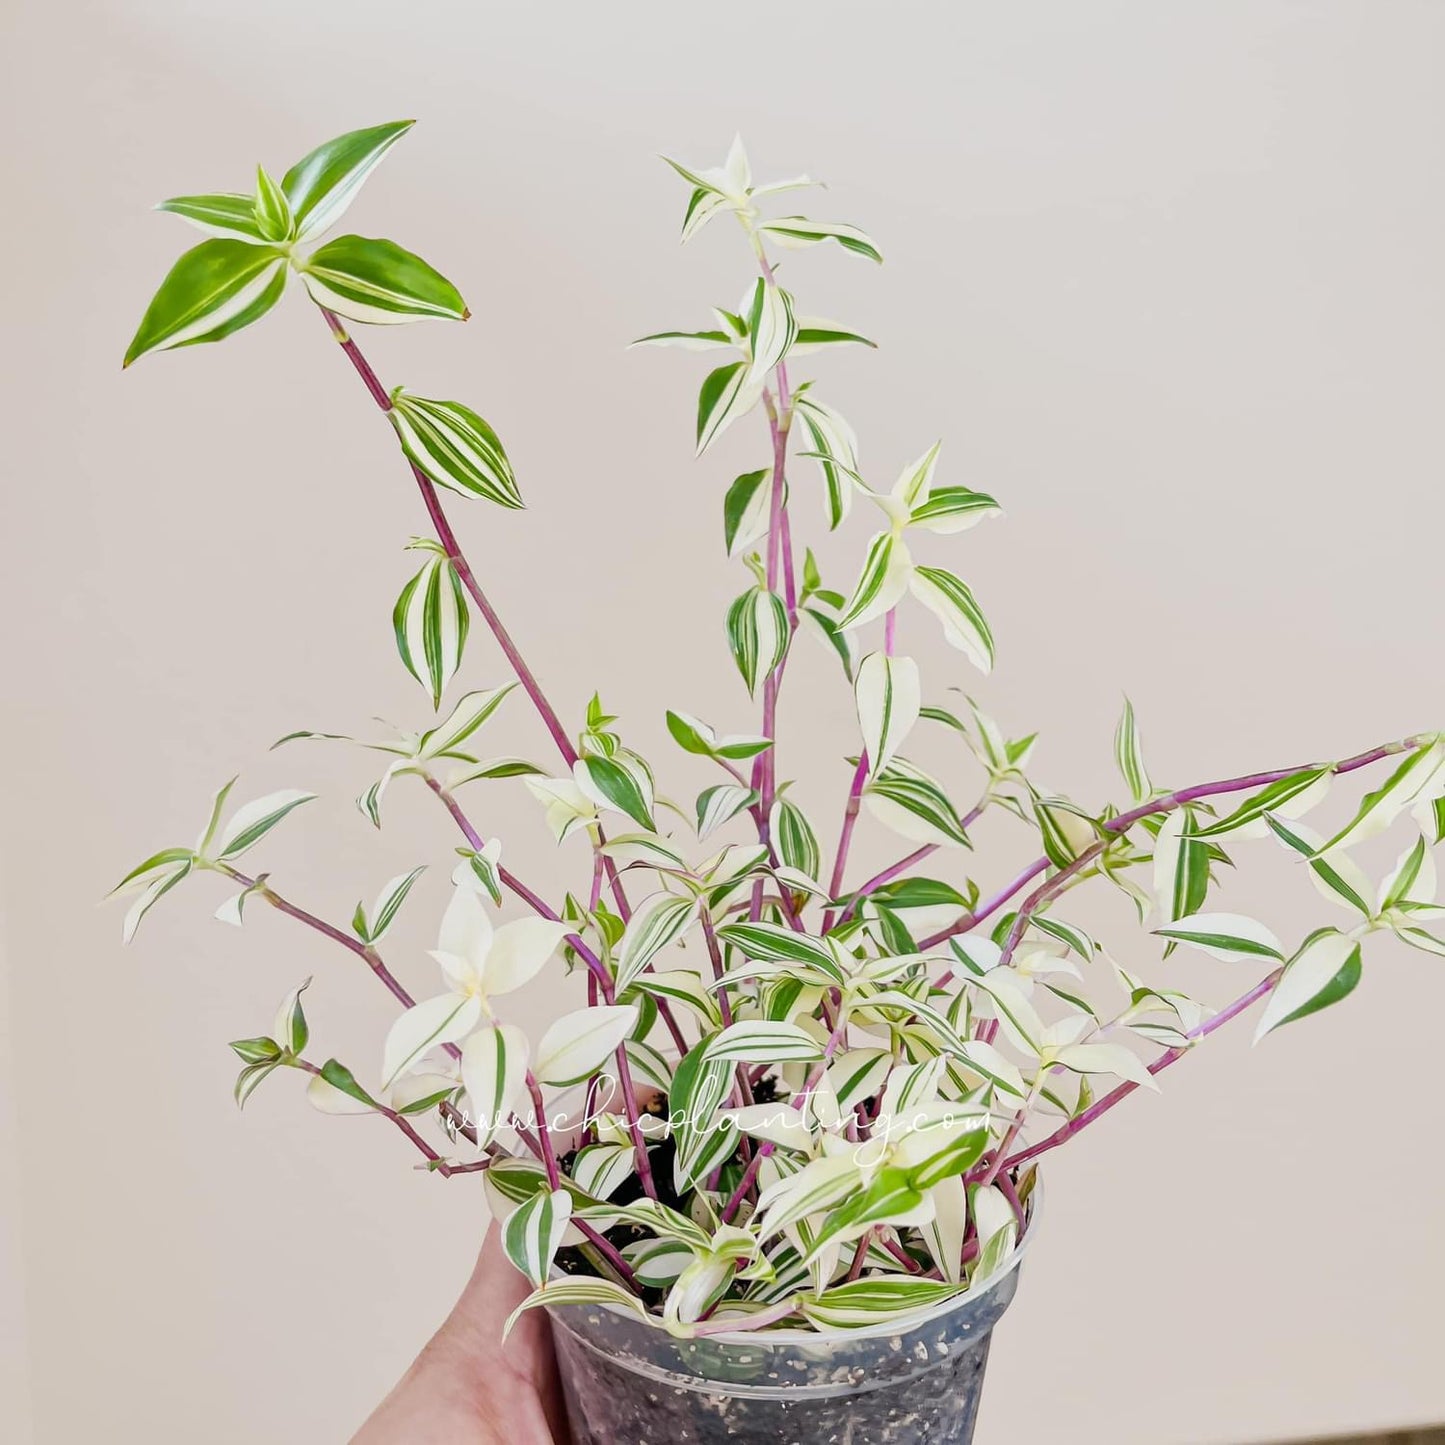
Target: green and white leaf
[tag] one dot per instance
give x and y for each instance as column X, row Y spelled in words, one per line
column 324, row 182
column 856, row 1304
column 1228, row 936
column 621, row 782
column 758, row 1041
column 1324, row 971
column 757, row 625
column 494, row 1070
column 884, row 579
column 533, row 1232
column 249, row 824
column 721, row 803
column 947, row 510
column 430, row 621
column 834, row 445
column 727, row 393
column 888, row 696
column 771, row 327
column 794, row 839
column 579, row 1043
column 906, row 799
column 1419, row 777
column 454, row 447
column 656, row 923
column 950, row 600
column 1290, row 797
column 746, row 509
column 1129, row 754
column 370, row 928
column 214, row 290
column 794, row 231
column 377, row 282
column 470, row 712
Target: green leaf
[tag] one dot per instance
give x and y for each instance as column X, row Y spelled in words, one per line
column 817, row 333
column 250, row 1078
column 757, row 625
column 1129, row 754
column 699, row 1087
column 1325, row 970
column 892, row 1195
column 1181, row 867
column 693, row 735
column 455, row 447
column 800, row 231
column 273, row 212
column 291, row 1027
column 225, row 214
column 215, row 289
column 578, row 1291
column 430, row 621
column 610, row 781
column 1416, row 777
column 964, row 624
column 533, row 1232
column 256, row 1051
column 726, row 394
column 378, row 282
column 745, row 510
column 323, row 183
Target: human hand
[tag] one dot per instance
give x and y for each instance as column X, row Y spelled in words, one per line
column 465, row 1388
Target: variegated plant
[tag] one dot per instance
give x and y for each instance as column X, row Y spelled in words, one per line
column 797, row 1099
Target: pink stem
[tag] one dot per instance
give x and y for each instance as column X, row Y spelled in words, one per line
column 845, row 838
column 1082, row 1121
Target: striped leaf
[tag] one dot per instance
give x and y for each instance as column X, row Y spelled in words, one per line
column 1340, row 879
column 273, row 211
column 533, row 1232
column 861, row 1302
column 834, row 445
column 470, row 712
column 856, row 1075
column 249, row 1079
column 494, row 1070
column 882, row 582
column 656, row 1263
column 151, row 881
column 759, row 1041
column 323, row 183
column 601, row 1169
column 578, row 1290
column 249, row 824
column 727, row 393
column 426, row 1026
column 943, row 1146
column 693, row 735
column 721, row 802
column 906, row 799
column 746, row 509
column 964, row 624
column 290, row 1028
column 1066, row 828
column 215, row 289
column 377, row 282
column 1290, row 797
column 225, row 214
column 757, row 626
column 620, row 782
column 1228, row 936
column 1325, row 970
column 1129, row 754
column 687, row 340
column 952, row 509
column 656, row 923
column 814, row 332
column 824, row 626
column 1103, row 1059
column 455, row 447
column 1418, row 778
column 1181, row 867
column 790, row 231
column 794, row 838
column 579, row 1043
column 888, row 696
column 773, row 943
column 684, row 986
column 704, row 1141
column 771, row 327
column 815, row 1187
column 430, row 622
column 891, row 1197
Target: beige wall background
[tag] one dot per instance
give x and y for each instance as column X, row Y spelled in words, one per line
column 1168, row 280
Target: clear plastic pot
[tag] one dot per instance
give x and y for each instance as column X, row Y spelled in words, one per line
column 631, row 1383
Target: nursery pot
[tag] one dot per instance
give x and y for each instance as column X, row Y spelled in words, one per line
column 914, row 1380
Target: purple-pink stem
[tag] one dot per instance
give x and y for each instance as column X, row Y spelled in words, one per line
column 1117, row 826
column 845, row 837
column 727, row 1326
column 1170, row 1056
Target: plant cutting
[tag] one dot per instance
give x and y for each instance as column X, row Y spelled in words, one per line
column 772, row 1176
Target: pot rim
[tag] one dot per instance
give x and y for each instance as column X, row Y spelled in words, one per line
column 795, row 1336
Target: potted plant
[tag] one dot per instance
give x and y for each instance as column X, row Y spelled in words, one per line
column 773, row 1180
